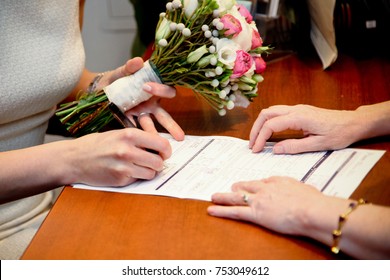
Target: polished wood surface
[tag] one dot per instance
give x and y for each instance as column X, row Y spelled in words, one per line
column 87, row 224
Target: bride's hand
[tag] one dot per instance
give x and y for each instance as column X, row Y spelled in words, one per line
column 151, row 106
column 129, row 68
column 146, row 109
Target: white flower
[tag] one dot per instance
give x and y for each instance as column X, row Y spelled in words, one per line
column 197, row 54
column 214, row 83
column 225, row 84
column 232, row 97
column 247, row 80
column 163, row 42
column 169, row 6
column 222, row 94
column 245, row 87
column 225, row 6
column 180, row 26
column 258, row 78
column 163, row 30
column 186, row 32
column 211, row 73
column 222, row 112
column 219, row 26
column 230, row 105
column 204, row 61
column 173, row 26
column 176, row 4
column 241, row 101
column 244, row 38
column 189, row 7
column 215, row 40
column 226, row 50
column 213, row 60
column 218, row 70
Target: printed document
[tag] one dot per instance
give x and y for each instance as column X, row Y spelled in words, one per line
column 203, row 165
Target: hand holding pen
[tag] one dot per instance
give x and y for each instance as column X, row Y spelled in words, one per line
column 126, row 122
column 151, row 107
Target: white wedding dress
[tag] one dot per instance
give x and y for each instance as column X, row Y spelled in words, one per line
column 41, row 58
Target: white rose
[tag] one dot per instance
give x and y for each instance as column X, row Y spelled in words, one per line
column 244, row 38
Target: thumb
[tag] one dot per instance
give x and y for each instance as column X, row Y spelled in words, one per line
column 131, row 66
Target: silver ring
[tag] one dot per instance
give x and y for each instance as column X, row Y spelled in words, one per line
column 142, row 114
column 245, row 197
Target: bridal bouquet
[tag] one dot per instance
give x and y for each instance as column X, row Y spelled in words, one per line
column 210, row 46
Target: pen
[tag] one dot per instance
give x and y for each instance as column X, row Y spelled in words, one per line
column 124, row 120
column 120, row 116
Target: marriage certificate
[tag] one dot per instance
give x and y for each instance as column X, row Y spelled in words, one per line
column 203, row 165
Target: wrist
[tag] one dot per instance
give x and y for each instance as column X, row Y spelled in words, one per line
column 365, row 118
column 357, row 126
column 94, row 84
column 320, row 219
column 64, row 167
column 374, row 120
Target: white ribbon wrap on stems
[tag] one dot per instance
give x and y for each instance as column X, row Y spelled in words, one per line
column 127, row 92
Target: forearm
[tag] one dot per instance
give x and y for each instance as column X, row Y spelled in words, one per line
column 30, row 171
column 375, row 120
column 365, row 234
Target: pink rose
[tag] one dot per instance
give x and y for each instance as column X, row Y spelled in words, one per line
column 256, row 39
column 231, row 25
column 260, row 64
column 245, row 13
column 243, row 64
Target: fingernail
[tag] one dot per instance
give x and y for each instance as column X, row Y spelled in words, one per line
column 278, row 150
column 147, row 88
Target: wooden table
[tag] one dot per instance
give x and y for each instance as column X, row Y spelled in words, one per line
column 87, row 224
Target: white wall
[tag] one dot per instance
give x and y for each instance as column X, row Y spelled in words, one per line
column 108, row 31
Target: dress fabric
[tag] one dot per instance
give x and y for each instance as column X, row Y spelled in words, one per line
column 41, row 60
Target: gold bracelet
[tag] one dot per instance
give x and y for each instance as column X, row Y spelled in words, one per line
column 342, row 219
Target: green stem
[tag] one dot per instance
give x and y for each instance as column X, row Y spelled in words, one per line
column 78, row 108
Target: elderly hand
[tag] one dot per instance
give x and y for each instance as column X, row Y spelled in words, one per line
column 323, row 129
column 277, row 203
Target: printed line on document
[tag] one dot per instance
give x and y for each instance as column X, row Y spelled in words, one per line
column 185, row 164
column 338, row 170
column 315, row 166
